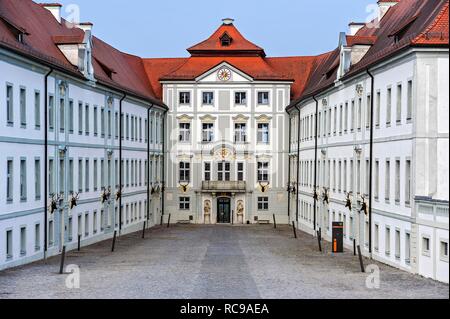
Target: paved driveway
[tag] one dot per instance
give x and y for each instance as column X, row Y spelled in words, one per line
column 213, row 262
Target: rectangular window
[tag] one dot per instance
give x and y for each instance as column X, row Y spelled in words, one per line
column 110, row 125
column 80, row 118
column 86, row 120
column 388, row 106
column 263, row 171
column 116, row 125
column 352, row 122
column 399, row 103
column 368, row 110
column 407, row 248
column 240, row 98
column 185, row 132
column 95, row 175
column 208, row 98
column 263, row 98
column 223, row 171
column 397, row 244
column 95, row 119
column 207, row 132
column 51, row 176
column 86, row 225
column 70, row 176
column 37, row 237
column 359, row 116
column 263, row 203
column 61, row 176
column 86, row 177
column 387, row 178
column 263, row 133
column 23, row 180
column 102, row 122
column 23, row 241
column 240, row 133
column 9, row 105
column 397, row 182
column 80, row 176
column 346, row 117
column 51, row 113
column 377, row 238
column 444, row 251
column 51, row 233
column 409, row 101
column 9, row 181
column 387, row 244
column 207, row 176
column 37, row 179
column 94, row 223
column 71, row 127
column 23, row 107
column 408, row 182
column 240, row 171
column 37, row 110
column 377, row 180
column 185, row 173
column 62, row 116
column 9, row 244
column 426, row 246
column 378, row 110
column 185, row 203
column 185, row 97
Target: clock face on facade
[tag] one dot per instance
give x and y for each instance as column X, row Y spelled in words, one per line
column 224, row 74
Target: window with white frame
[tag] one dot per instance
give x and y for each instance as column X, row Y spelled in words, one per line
column 263, row 203
column 207, row 132
column 9, row 181
column 263, row 172
column 240, row 171
column 240, row 133
column 23, row 107
column 426, row 246
column 387, row 244
column 207, row 176
column 223, row 171
column 185, row 172
column 444, row 250
column 240, row 98
column 23, row 180
column 208, row 98
column 9, row 105
column 51, row 112
column 409, row 101
column 263, row 98
column 185, row 97
column 185, row 203
column 399, row 103
column 389, row 106
column 263, row 133
column 185, row 132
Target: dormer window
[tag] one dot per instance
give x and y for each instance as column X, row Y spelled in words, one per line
column 18, row 32
column 225, row 40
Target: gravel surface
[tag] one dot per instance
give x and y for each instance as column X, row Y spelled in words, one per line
column 206, row 262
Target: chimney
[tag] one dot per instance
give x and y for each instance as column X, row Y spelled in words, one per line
column 354, row 27
column 384, row 6
column 54, row 8
column 227, row 21
column 85, row 26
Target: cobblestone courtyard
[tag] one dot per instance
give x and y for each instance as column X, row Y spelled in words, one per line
column 213, row 262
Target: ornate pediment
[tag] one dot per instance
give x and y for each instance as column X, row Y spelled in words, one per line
column 263, row 118
column 208, row 118
column 185, row 118
column 240, row 119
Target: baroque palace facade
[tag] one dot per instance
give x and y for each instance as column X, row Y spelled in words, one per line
column 227, row 135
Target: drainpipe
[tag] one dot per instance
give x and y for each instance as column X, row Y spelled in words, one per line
column 46, row 160
column 289, row 167
column 298, row 163
column 148, row 162
column 121, row 124
column 163, row 177
column 316, row 137
column 372, row 89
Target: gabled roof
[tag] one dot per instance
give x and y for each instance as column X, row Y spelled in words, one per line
column 46, row 33
column 238, row 46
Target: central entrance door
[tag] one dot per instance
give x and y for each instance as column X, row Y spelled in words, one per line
column 223, row 210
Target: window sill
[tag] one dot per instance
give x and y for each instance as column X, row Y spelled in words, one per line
column 426, row 254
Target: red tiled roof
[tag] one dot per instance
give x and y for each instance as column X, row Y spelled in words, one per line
column 46, row 33
column 437, row 33
column 213, row 47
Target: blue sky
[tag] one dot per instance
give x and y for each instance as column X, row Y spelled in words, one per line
column 165, row 28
